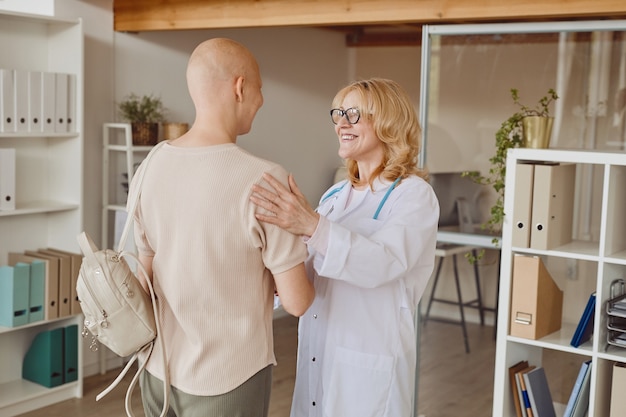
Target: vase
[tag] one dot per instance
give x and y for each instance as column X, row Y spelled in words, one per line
column 145, row 134
column 536, row 131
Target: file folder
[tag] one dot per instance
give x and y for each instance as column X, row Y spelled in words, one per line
column 522, row 209
column 14, row 293
column 52, row 277
column 43, row 363
column 48, row 86
column 7, row 100
column 70, row 352
column 35, row 103
column 7, row 179
column 37, row 290
column 71, row 103
column 21, row 100
column 581, row 403
column 60, row 103
column 65, row 281
column 618, row 388
column 575, row 394
column 553, row 204
column 37, row 286
column 536, row 300
column 76, row 259
column 51, row 303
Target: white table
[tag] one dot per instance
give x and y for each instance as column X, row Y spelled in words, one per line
column 482, row 239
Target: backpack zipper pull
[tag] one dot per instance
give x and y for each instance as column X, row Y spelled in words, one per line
column 129, row 292
column 104, row 323
column 94, row 344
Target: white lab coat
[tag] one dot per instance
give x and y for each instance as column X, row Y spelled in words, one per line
column 357, row 342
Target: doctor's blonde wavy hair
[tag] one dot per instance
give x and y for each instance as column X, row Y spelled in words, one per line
column 385, row 103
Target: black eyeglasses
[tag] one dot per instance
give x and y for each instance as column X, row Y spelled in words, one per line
column 352, row 115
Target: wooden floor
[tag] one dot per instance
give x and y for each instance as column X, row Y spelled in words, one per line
column 452, row 382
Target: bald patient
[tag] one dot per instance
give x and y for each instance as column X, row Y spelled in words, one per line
column 214, row 266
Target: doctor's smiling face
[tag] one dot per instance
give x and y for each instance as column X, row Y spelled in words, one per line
column 357, row 138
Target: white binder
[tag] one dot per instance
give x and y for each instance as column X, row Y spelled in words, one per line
column 7, row 179
column 48, row 85
column 21, row 100
column 522, row 208
column 71, row 103
column 552, row 212
column 60, row 107
column 7, row 101
column 35, row 103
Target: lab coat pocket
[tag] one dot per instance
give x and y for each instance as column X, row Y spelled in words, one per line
column 359, row 384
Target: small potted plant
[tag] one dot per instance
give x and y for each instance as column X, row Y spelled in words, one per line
column 144, row 114
column 514, row 132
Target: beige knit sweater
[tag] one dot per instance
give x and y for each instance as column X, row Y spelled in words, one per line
column 213, row 264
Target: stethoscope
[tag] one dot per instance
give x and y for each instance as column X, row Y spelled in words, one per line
column 380, row 205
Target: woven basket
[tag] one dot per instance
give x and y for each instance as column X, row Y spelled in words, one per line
column 174, row 130
column 145, row 134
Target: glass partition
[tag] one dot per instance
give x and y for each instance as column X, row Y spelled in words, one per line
column 468, row 71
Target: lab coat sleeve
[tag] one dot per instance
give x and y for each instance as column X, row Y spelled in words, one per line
column 402, row 239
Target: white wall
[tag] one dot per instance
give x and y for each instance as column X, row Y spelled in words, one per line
column 40, row 7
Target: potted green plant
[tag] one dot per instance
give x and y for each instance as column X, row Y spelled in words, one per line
column 513, row 133
column 144, row 114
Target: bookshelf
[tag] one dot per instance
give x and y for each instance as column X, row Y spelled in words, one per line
column 120, row 158
column 578, row 267
column 48, row 188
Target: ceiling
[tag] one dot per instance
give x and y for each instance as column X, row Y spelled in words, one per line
column 364, row 22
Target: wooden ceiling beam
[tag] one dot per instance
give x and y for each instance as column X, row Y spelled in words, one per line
column 153, row 15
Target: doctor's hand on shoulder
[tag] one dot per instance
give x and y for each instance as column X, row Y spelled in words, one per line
column 288, row 208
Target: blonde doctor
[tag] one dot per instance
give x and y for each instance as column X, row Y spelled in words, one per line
column 371, row 244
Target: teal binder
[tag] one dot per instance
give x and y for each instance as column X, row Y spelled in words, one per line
column 14, row 294
column 70, row 352
column 43, row 363
column 37, row 291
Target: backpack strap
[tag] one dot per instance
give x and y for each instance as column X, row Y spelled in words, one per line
column 135, row 357
column 166, row 379
column 133, row 200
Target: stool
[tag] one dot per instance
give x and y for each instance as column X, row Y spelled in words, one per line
column 442, row 252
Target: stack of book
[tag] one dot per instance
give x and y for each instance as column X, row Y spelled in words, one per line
column 531, row 392
column 532, row 397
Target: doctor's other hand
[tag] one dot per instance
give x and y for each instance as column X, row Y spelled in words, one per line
column 288, row 208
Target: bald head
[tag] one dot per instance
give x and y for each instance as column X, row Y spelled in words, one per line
column 215, row 62
column 225, row 85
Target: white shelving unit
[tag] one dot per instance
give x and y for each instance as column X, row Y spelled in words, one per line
column 119, row 156
column 49, row 192
column 579, row 268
